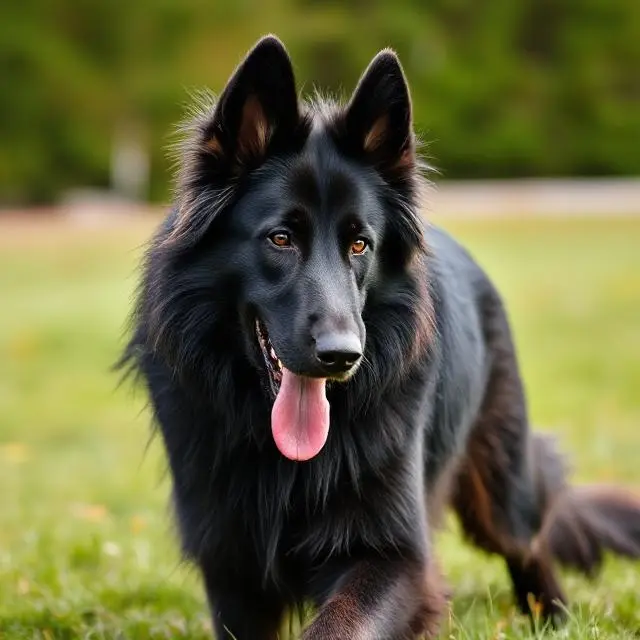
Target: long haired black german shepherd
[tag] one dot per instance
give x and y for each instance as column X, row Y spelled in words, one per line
column 327, row 373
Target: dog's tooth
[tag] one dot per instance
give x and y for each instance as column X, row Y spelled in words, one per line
column 279, row 364
column 273, row 353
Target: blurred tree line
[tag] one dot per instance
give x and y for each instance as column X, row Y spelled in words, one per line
column 502, row 88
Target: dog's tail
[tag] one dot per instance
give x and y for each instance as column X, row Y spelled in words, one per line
column 580, row 524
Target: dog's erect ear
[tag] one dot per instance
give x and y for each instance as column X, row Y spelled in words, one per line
column 258, row 104
column 377, row 128
column 256, row 115
column 378, row 118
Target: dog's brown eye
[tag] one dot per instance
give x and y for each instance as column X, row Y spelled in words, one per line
column 358, row 246
column 280, row 239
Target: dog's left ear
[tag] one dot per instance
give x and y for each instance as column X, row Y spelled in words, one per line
column 378, row 120
column 258, row 105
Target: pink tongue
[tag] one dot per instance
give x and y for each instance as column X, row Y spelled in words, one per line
column 300, row 416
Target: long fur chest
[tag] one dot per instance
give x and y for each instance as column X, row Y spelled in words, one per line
column 253, row 507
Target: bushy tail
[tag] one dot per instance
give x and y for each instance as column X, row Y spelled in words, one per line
column 580, row 524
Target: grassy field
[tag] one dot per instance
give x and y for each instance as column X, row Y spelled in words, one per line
column 86, row 545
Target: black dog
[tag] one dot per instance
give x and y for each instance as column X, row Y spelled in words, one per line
column 327, row 373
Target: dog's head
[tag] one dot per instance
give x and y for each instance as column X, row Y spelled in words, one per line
column 309, row 208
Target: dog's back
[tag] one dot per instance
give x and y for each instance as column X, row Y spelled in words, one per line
column 507, row 484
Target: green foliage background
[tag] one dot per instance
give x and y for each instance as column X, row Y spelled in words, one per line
column 502, row 88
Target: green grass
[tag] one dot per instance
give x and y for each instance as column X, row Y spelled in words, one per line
column 86, row 544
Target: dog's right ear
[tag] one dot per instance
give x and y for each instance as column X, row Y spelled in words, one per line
column 257, row 108
column 256, row 115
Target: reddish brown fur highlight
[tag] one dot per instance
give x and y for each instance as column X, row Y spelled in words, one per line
column 376, row 135
column 377, row 599
column 253, row 137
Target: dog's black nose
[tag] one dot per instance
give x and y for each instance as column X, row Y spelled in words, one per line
column 338, row 351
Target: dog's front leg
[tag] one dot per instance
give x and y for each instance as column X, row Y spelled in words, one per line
column 381, row 600
column 240, row 611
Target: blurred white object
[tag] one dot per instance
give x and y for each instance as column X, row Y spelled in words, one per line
column 536, row 197
column 129, row 164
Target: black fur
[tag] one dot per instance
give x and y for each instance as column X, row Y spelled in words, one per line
column 435, row 408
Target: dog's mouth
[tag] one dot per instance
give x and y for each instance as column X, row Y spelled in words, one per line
column 272, row 363
column 300, row 412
